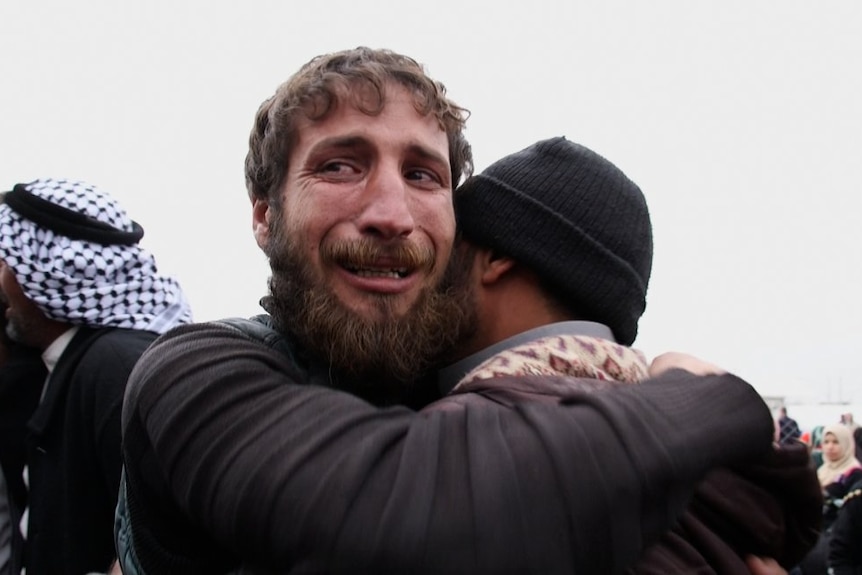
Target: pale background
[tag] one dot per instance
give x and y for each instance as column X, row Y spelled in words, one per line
column 741, row 120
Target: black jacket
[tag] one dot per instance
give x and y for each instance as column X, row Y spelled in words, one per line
column 845, row 544
column 74, row 458
column 21, row 381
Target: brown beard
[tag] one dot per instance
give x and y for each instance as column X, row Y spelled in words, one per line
column 377, row 358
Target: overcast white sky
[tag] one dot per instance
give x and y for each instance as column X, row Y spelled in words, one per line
column 741, row 120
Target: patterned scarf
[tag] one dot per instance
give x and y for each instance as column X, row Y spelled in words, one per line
column 573, row 355
column 75, row 253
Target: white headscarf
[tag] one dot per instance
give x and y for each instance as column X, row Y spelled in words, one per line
column 830, row 471
column 75, row 253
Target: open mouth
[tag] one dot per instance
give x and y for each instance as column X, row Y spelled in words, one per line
column 364, row 272
column 379, row 264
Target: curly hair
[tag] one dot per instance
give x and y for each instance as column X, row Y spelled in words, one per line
column 360, row 76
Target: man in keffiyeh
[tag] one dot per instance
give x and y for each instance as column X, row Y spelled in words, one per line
column 81, row 289
column 558, row 245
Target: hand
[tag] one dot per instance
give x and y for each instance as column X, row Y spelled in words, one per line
column 678, row 360
column 764, row 566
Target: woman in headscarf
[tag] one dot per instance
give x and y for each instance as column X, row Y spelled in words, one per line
column 840, row 470
column 839, row 459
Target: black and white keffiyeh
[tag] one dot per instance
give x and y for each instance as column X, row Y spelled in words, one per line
column 75, row 253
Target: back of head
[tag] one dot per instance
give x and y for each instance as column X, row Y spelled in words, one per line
column 358, row 77
column 74, row 252
column 575, row 219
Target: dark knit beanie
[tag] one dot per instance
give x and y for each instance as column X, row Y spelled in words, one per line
column 572, row 217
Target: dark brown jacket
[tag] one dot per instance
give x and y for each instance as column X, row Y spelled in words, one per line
column 233, row 456
column 770, row 507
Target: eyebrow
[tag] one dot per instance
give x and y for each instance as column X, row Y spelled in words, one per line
column 428, row 154
column 339, row 142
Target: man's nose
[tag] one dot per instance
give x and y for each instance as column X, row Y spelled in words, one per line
column 386, row 209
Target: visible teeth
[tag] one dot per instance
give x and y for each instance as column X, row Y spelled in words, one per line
column 366, row 273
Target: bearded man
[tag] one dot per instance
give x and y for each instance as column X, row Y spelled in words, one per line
column 288, row 443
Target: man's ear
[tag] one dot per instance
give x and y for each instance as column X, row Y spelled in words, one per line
column 493, row 266
column 260, row 214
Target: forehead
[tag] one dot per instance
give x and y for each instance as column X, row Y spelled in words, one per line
column 361, row 113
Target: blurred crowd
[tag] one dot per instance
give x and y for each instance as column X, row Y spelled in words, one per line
column 836, row 453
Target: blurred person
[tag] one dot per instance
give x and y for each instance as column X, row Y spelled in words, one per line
column 788, row 429
column 574, row 313
column 839, row 458
column 81, row 290
column 290, row 442
column 856, row 429
column 840, row 470
column 816, row 445
column 21, row 375
column 816, row 442
column 845, row 543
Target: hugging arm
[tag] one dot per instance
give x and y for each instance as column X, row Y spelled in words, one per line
column 222, row 437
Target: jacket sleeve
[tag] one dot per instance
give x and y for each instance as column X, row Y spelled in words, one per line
column 289, row 475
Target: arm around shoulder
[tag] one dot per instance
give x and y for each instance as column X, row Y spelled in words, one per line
column 283, row 473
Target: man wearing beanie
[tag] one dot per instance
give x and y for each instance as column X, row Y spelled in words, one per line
column 80, row 289
column 558, row 244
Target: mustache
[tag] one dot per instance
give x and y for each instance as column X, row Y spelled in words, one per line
column 366, row 252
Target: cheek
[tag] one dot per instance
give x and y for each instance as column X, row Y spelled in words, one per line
column 438, row 222
column 312, row 215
